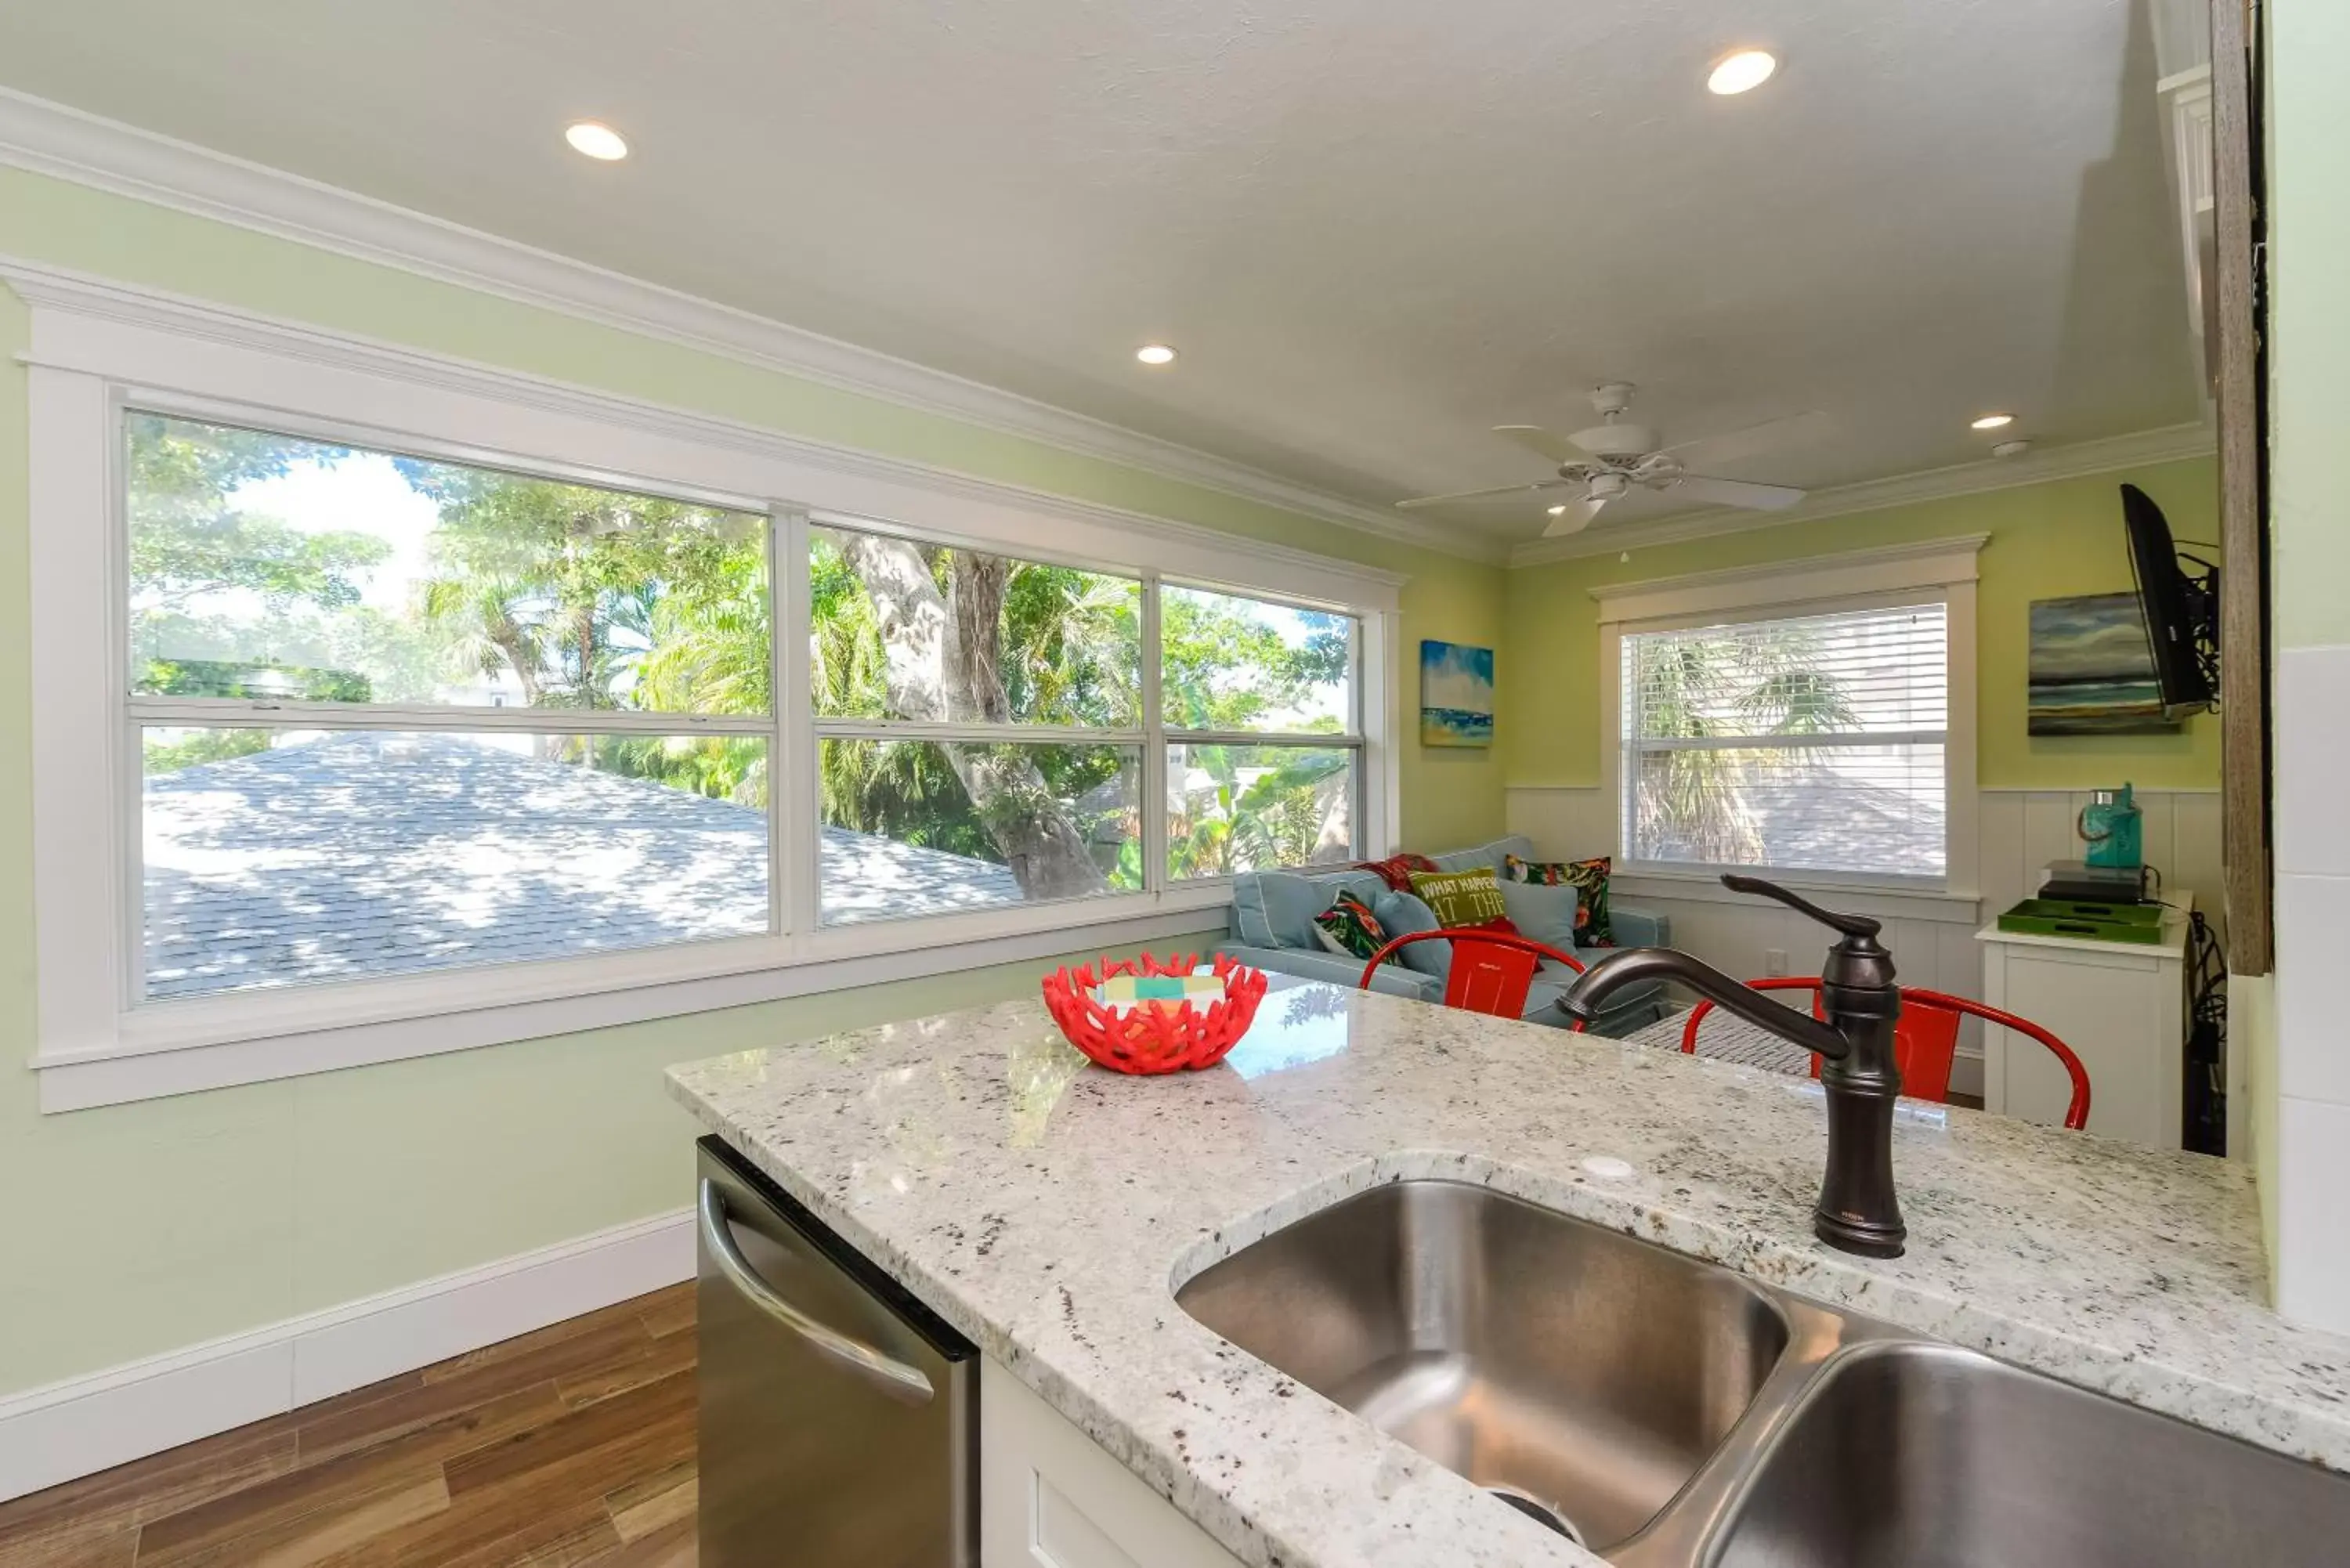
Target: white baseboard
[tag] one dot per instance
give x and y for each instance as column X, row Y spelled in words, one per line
column 91, row 1423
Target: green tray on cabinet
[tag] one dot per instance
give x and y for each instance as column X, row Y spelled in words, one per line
column 2140, row 923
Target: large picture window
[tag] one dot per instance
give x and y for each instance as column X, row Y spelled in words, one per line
column 396, row 713
column 1806, row 742
column 390, row 705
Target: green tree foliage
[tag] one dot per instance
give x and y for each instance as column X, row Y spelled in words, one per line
column 577, row 597
column 1699, row 688
column 1226, row 667
column 592, row 598
column 192, row 550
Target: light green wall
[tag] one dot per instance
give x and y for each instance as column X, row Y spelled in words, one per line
column 2046, row 540
column 140, row 1229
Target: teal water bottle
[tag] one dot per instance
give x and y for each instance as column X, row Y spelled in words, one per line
column 2110, row 827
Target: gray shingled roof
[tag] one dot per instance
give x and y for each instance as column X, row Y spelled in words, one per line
column 371, row 853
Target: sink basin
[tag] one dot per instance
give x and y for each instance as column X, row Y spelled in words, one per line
column 1933, row 1457
column 1669, row 1413
column 1581, row 1374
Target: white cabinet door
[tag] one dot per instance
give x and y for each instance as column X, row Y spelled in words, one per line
column 1050, row 1497
column 2121, row 1010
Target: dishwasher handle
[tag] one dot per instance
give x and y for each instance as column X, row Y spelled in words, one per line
column 905, row 1384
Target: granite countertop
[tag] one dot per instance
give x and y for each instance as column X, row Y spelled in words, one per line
column 1048, row 1210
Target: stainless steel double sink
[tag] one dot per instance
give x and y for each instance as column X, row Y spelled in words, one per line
column 1669, row 1412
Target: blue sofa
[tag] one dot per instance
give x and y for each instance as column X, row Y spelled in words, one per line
column 1271, row 928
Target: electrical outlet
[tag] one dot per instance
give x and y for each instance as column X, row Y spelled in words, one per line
column 1775, row 961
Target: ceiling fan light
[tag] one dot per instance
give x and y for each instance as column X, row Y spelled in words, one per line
column 1743, row 71
column 1994, row 421
column 1558, row 511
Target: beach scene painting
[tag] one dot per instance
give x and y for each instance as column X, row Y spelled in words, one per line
column 2092, row 670
column 1456, row 694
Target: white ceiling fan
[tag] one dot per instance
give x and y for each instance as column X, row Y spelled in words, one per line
column 1604, row 462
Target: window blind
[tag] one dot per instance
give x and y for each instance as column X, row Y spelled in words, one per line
column 1814, row 743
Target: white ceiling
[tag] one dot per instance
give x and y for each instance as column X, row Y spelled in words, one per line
column 1374, row 228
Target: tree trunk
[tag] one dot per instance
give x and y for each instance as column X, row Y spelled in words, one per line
column 944, row 653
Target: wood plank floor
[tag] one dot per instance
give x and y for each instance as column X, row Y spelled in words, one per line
column 568, row 1447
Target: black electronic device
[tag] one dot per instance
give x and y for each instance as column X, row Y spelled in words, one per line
column 2181, row 607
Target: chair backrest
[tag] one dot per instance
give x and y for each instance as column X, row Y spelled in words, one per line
column 1491, row 970
column 1926, row 1040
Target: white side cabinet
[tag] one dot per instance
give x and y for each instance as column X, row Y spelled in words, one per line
column 1049, row 1497
column 2121, row 1007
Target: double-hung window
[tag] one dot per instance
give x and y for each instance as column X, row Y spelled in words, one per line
column 1263, row 734
column 979, row 724
column 1813, row 719
column 384, row 706
column 1806, row 742
column 994, row 730
column 394, row 714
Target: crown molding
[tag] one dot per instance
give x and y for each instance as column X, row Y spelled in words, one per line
column 77, row 294
column 65, row 143
column 2104, row 456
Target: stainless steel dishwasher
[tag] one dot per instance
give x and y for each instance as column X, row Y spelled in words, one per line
column 838, row 1418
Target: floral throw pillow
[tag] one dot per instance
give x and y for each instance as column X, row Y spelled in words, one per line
column 1461, row 899
column 1590, row 880
column 1348, row 929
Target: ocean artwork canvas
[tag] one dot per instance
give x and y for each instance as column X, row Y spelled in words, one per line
column 1456, row 694
column 2092, row 670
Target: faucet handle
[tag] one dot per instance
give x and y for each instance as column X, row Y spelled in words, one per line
column 1861, row 926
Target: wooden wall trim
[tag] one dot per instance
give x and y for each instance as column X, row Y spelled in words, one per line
column 2243, row 534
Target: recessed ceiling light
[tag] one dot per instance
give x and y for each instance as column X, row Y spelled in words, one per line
column 1742, row 71
column 1155, row 354
column 596, row 140
column 1559, row 511
column 1994, row 421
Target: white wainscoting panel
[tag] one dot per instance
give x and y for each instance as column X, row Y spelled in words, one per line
column 2019, row 832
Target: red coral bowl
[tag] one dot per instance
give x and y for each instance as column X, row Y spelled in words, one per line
column 1154, row 1039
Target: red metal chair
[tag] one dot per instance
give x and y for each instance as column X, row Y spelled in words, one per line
column 1925, row 1039
column 1491, row 970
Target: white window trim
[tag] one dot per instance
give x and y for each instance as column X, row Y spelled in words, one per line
column 97, row 345
column 1933, row 570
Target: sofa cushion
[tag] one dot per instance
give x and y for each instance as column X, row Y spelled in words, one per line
column 1488, row 856
column 1543, row 914
column 1402, row 914
column 1276, row 909
column 1589, row 877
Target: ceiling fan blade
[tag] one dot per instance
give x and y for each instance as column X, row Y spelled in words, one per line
column 1578, row 514
column 1730, row 446
column 1486, row 495
column 1736, row 493
column 1556, row 448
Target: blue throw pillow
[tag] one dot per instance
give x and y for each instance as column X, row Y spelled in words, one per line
column 1276, row 909
column 1403, row 913
column 1543, row 913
